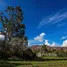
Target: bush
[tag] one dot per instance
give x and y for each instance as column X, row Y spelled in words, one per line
column 29, row 55
column 62, row 54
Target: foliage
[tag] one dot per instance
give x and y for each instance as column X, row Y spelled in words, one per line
column 61, row 53
column 13, row 29
column 12, row 23
column 28, row 54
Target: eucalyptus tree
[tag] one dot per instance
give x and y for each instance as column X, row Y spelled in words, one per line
column 13, row 27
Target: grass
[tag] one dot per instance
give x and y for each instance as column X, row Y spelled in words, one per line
column 62, row 63
column 54, row 58
column 6, row 64
column 52, row 62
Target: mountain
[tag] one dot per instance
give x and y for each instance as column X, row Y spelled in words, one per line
column 39, row 48
column 36, row 47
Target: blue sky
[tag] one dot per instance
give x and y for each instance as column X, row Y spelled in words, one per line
column 45, row 20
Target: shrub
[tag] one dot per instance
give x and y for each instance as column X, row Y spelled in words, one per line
column 28, row 54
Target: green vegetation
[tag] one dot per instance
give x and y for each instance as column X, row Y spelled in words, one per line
column 46, row 58
column 6, row 64
column 52, row 62
column 58, row 63
column 13, row 29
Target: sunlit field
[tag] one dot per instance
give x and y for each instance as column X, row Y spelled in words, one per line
column 62, row 63
column 48, row 62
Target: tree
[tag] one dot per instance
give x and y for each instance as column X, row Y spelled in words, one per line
column 44, row 49
column 12, row 26
column 29, row 55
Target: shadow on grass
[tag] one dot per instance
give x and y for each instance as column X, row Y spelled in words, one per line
column 17, row 64
column 7, row 64
column 37, row 59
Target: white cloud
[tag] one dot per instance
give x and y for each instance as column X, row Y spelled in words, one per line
column 53, row 19
column 46, row 42
column 42, row 34
column 40, row 38
column 54, row 44
column 64, row 43
column 50, row 44
column 63, row 37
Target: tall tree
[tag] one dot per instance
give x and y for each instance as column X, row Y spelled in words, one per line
column 12, row 25
column 12, row 22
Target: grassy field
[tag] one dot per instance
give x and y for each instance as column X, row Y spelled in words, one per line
column 62, row 63
column 48, row 62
